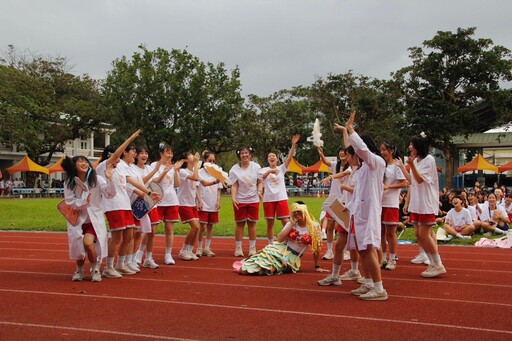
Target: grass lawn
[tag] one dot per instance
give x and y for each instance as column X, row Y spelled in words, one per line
column 42, row 215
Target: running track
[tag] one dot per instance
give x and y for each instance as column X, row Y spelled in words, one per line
column 205, row 300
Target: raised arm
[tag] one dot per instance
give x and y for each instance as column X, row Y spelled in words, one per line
column 295, row 140
column 119, row 151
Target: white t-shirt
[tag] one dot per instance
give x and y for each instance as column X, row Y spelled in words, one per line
column 475, row 215
column 187, row 190
column 121, row 201
column 208, row 194
column 424, row 197
column 247, row 179
column 459, row 219
column 391, row 197
column 169, row 193
column 487, row 213
column 275, row 189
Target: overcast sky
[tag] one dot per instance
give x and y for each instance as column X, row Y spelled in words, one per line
column 276, row 43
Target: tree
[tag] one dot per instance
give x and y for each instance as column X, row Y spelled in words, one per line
column 43, row 105
column 174, row 97
column 452, row 73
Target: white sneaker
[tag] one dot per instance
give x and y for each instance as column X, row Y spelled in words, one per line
column 133, row 266
column 346, row 255
column 252, row 251
column 168, row 259
column 433, row 271
column 328, row 256
column 330, row 280
column 363, row 289
column 361, row 280
column 199, row 252
column 239, row 252
column 150, row 263
column 185, row 255
column 374, row 295
column 96, row 276
column 125, row 270
column 420, row 259
column 77, row 276
column 138, row 257
column 466, row 237
column 350, row 275
column 193, row 256
column 391, row 265
column 111, row 273
column 208, row 253
column 324, row 235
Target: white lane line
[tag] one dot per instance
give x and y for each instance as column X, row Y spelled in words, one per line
column 265, row 287
column 267, row 310
column 110, row 332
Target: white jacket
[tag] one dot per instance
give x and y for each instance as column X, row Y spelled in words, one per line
column 366, row 203
column 103, row 190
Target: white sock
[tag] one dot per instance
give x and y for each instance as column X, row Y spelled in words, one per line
column 190, row 248
column 200, row 244
column 238, row 244
column 94, row 266
column 499, row 231
column 437, row 259
column 270, row 241
column 208, row 243
column 142, row 247
column 129, row 258
column 120, row 261
column 252, row 243
column 354, row 266
column 110, row 262
column 329, row 246
column 384, row 256
column 368, row 282
column 336, row 269
column 429, row 256
column 168, row 250
column 80, row 268
column 149, row 255
column 458, row 235
column 378, row 286
column 422, row 251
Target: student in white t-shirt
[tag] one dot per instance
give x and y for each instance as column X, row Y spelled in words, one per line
column 459, row 222
column 187, row 195
column 494, row 217
column 275, row 198
column 208, row 197
column 168, row 209
column 394, row 181
column 424, row 203
column 246, row 193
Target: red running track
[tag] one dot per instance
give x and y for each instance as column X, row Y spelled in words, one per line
column 205, row 300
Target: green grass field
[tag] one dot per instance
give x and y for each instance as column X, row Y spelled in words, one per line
column 42, row 215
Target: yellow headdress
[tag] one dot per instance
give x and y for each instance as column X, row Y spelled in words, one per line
column 311, row 223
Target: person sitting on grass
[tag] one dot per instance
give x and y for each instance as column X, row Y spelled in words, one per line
column 284, row 255
column 458, row 220
column 494, row 217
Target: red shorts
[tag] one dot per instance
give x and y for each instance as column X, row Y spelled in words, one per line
column 208, row 217
column 169, row 214
column 390, row 216
column 328, row 216
column 154, row 216
column 87, row 228
column 137, row 222
column 422, row 219
column 188, row 213
column 250, row 212
column 120, row 219
column 275, row 209
column 340, row 229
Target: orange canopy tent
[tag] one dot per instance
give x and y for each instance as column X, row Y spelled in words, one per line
column 27, row 165
column 317, row 168
column 505, row 167
column 294, row 167
column 56, row 167
column 478, row 163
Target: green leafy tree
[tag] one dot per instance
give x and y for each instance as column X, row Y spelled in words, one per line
column 449, row 75
column 43, row 105
column 174, row 97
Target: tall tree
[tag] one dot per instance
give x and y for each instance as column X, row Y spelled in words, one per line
column 176, row 98
column 43, row 105
column 451, row 73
